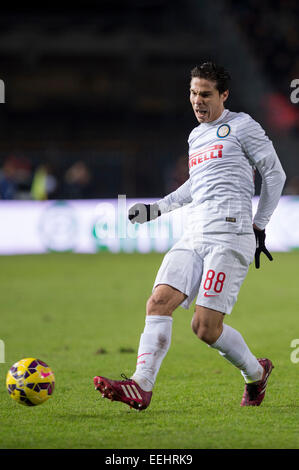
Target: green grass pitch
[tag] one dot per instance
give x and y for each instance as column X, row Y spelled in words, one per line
column 83, row 315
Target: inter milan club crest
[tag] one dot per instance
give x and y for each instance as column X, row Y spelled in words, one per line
column 223, row 131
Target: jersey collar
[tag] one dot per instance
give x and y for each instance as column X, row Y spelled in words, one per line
column 212, row 123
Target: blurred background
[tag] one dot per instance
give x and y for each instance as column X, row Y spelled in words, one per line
column 97, row 94
column 96, row 106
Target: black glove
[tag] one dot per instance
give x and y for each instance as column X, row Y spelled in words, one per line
column 143, row 213
column 260, row 236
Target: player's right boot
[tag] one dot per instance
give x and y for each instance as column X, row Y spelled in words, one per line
column 126, row 391
column 254, row 392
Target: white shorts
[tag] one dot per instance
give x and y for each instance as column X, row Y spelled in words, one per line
column 213, row 269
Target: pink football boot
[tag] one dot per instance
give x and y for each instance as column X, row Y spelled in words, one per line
column 254, row 392
column 126, row 391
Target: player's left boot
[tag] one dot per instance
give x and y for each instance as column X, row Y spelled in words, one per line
column 254, row 392
column 126, row 391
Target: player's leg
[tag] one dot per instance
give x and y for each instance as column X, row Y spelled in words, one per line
column 225, row 268
column 154, row 344
column 164, row 300
column 208, row 325
column 156, row 337
column 174, row 285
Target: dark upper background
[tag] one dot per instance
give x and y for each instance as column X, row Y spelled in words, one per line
column 97, row 93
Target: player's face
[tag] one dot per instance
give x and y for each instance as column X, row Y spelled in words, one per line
column 207, row 102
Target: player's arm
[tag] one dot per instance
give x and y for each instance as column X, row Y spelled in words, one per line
column 145, row 212
column 262, row 154
column 273, row 179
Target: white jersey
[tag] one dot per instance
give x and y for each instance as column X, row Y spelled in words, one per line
column 223, row 155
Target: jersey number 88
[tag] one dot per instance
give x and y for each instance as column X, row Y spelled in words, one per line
column 218, row 282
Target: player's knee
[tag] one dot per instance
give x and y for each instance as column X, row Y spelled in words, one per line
column 195, row 324
column 206, row 333
column 157, row 304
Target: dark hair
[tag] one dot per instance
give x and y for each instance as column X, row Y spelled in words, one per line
column 213, row 72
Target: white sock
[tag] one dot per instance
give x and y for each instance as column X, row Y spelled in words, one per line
column 232, row 347
column 154, row 344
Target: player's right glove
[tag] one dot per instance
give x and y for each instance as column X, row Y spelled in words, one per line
column 143, row 213
column 260, row 236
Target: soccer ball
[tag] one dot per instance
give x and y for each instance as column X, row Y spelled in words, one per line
column 30, row 382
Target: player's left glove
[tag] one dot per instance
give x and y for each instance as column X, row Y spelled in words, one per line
column 260, row 236
column 143, row 213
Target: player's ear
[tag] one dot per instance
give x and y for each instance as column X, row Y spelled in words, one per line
column 225, row 95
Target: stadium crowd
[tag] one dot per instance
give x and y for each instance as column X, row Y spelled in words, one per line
column 20, row 179
column 272, row 27
column 270, row 30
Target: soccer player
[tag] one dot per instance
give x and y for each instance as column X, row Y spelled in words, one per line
column 221, row 240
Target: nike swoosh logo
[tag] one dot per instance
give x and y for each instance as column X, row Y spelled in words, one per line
column 210, row 295
column 45, row 374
